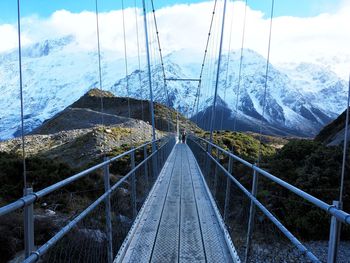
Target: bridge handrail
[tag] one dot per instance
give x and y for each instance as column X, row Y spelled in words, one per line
column 330, row 209
column 35, row 255
column 32, row 197
column 268, row 214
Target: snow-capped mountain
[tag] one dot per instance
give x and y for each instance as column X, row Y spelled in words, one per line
column 179, row 95
column 55, row 75
column 300, row 98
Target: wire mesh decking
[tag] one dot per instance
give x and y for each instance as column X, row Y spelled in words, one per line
column 179, row 222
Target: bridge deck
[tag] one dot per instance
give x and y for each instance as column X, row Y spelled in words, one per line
column 178, row 222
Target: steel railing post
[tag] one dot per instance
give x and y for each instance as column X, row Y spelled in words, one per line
column 334, row 236
column 228, row 190
column 161, row 158
column 251, row 216
column 106, row 176
column 154, row 161
column 216, row 172
column 28, row 226
column 207, row 160
column 133, row 186
column 146, row 167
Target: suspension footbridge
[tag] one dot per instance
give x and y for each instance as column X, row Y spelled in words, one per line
column 186, row 200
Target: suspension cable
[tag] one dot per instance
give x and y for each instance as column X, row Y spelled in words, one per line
column 126, row 61
column 345, row 149
column 100, row 73
column 149, row 76
column 266, row 81
column 208, row 73
column 240, row 66
column 204, row 60
column 139, row 66
column 162, row 63
column 21, row 93
column 211, row 70
column 227, row 69
column 213, row 113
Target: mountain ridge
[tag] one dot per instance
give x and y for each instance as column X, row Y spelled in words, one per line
column 54, row 79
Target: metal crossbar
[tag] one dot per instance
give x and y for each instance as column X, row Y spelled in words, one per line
column 166, row 145
column 32, row 197
column 330, row 209
column 182, row 79
column 203, row 145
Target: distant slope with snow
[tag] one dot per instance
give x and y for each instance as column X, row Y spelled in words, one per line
column 300, row 99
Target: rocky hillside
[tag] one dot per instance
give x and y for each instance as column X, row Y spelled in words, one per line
column 86, row 113
column 76, row 137
column 333, row 133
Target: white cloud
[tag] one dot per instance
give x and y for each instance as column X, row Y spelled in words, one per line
column 9, row 37
column 185, row 26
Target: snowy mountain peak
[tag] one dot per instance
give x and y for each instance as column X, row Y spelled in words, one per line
column 46, row 47
column 299, row 98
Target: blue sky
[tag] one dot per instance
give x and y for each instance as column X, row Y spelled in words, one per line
column 44, row 8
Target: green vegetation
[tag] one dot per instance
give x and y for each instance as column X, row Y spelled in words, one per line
column 41, row 173
column 242, row 144
column 306, row 164
column 314, row 168
column 67, row 201
column 163, row 115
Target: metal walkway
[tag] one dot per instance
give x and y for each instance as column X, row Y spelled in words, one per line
column 179, row 221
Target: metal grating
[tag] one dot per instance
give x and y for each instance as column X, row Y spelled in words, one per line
column 178, row 222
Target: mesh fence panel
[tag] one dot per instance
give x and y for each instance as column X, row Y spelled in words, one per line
column 11, row 236
column 85, row 242
column 267, row 243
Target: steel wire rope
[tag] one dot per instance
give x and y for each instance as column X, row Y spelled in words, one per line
column 227, row 69
column 161, row 62
column 208, row 70
column 100, row 75
column 218, row 68
column 266, row 81
column 153, row 67
column 252, row 215
column 139, row 67
column 212, row 70
column 153, row 63
column 21, row 94
column 240, row 66
column 126, row 60
column 203, row 62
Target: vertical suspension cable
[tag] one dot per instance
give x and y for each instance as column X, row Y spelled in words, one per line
column 153, row 62
column 345, row 148
column 266, row 81
column 217, row 73
column 21, row 93
column 227, row 69
column 100, row 73
column 149, row 76
column 204, row 60
column 126, row 61
column 240, row 66
column 162, row 63
column 139, row 66
column 211, row 70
